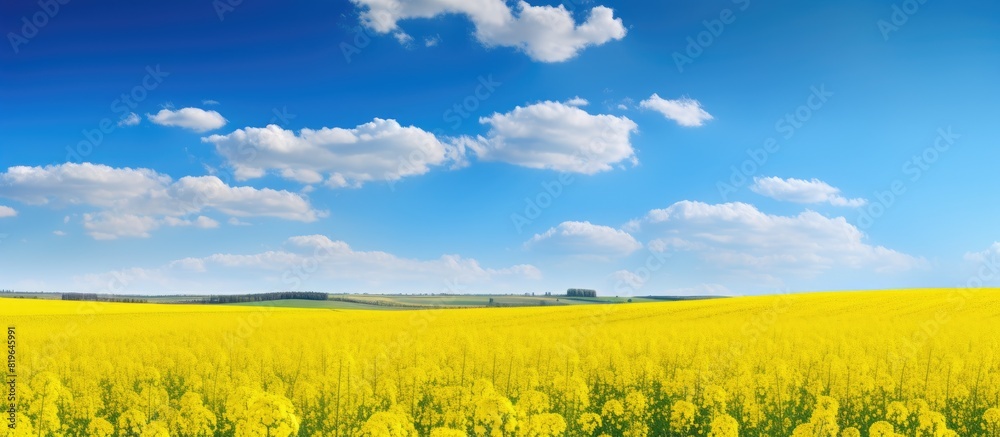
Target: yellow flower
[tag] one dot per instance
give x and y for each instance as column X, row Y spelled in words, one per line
column 682, row 415
column 494, row 415
column 803, row 430
column 194, row 419
column 155, row 428
column 447, row 432
column 547, row 425
column 714, row 398
column 992, row 419
column 897, row 413
column 850, row 432
column 589, row 422
column 931, row 423
column 98, row 427
column 636, row 406
column 388, row 424
column 881, row 429
column 613, row 409
column 131, row 422
column 724, row 426
column 260, row 413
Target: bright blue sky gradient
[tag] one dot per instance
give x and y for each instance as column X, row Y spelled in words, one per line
column 890, row 96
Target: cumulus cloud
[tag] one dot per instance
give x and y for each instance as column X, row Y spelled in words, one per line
column 685, row 111
column 802, row 191
column 6, row 211
column 380, row 150
column 331, row 265
column 132, row 202
column 196, row 119
column 131, row 119
column 544, row 33
column 739, row 236
column 556, row 135
column 584, row 238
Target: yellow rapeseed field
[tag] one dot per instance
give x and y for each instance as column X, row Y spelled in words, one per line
column 908, row 363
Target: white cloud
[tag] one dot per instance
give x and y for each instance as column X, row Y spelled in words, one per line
column 107, row 225
column 209, row 102
column 233, row 221
column 544, row 33
column 380, row 150
column 737, row 236
column 802, row 191
column 59, row 233
column 685, row 111
column 986, row 256
column 584, row 238
column 557, row 136
column 6, row 211
column 196, row 119
column 111, row 226
column 432, row 41
column 199, row 222
column 133, row 202
column 331, row 266
column 403, row 38
column 577, row 101
column 131, row 119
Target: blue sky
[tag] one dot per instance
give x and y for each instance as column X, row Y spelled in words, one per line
column 723, row 147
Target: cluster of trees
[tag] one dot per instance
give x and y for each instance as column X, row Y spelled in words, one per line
column 100, row 297
column 581, row 292
column 261, row 297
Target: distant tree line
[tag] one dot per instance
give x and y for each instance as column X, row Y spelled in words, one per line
column 581, row 292
column 262, row 297
column 100, row 297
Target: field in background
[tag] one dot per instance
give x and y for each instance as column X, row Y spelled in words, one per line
column 388, row 301
column 911, row 362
